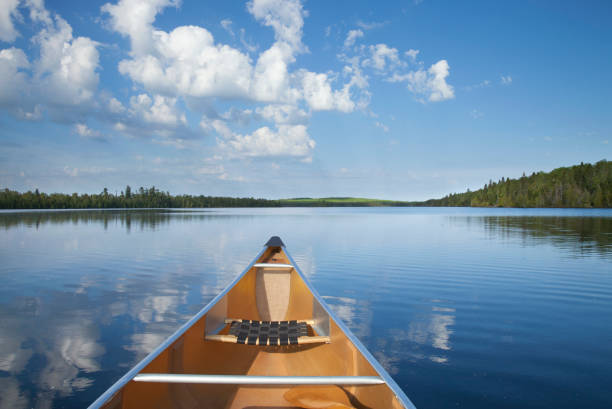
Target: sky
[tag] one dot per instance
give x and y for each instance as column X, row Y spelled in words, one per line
column 405, row 100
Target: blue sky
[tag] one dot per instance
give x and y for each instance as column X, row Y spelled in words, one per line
column 408, row 100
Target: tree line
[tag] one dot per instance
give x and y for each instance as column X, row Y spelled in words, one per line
column 141, row 198
column 583, row 186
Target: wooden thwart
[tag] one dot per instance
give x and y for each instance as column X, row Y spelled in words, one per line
column 230, row 320
column 300, row 340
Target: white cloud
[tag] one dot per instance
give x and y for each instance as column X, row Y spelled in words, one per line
column 115, row 106
column 352, row 36
column 247, row 44
column 187, row 62
column 286, row 17
column 134, row 18
column 13, row 80
column 283, row 114
column 506, row 79
column 320, row 97
column 412, row 54
column 63, row 78
column 286, row 140
column 67, row 65
column 431, row 83
column 38, row 12
column 227, row 26
column 369, row 25
column 159, row 110
column 271, row 82
column 382, row 56
column 85, row 131
column 87, row 171
column 237, row 116
column 8, row 11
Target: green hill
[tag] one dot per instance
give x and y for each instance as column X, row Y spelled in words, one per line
column 584, row 185
column 339, row 201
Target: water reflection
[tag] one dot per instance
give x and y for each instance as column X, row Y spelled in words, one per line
column 356, row 314
column 579, row 235
column 56, row 352
column 128, row 219
column 428, row 337
column 87, row 294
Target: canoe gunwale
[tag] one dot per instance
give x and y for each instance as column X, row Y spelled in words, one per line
column 117, row 386
column 399, row 393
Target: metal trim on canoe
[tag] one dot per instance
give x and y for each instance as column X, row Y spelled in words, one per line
column 399, row 393
column 116, row 387
column 272, row 265
column 257, row 379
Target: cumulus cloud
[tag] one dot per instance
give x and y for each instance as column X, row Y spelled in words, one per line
column 13, row 79
column 382, row 60
column 382, row 56
column 412, row 54
column 8, row 11
column 160, row 110
column 319, row 95
column 286, row 140
column 154, row 117
column 67, row 65
column 286, row 17
column 439, row 90
column 86, row 132
column 352, row 36
column 430, row 84
column 186, row 66
column 134, row 19
column 62, row 79
column 506, row 79
column 188, row 63
column 283, row 114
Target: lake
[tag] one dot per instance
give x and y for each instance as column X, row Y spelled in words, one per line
column 468, row 308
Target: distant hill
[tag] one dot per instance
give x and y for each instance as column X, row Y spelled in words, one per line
column 584, row 185
column 340, row 201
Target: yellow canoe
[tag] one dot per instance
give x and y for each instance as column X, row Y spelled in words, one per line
column 267, row 341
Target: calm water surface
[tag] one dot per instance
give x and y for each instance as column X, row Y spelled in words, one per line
column 469, row 308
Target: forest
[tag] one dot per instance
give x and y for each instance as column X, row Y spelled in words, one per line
column 580, row 186
column 141, row 198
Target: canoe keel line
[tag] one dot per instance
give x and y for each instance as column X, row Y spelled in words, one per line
column 268, row 340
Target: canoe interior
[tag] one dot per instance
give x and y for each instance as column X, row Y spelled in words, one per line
column 288, row 295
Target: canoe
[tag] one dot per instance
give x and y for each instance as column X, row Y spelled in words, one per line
column 267, row 341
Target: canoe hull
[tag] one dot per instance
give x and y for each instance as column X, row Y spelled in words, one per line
column 189, row 352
